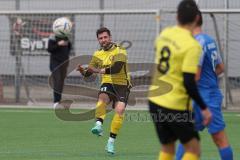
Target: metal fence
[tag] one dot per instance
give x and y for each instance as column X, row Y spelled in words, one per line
column 24, row 59
column 135, row 27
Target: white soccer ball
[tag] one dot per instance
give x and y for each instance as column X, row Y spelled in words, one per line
column 62, row 26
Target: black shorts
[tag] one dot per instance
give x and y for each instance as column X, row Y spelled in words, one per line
column 172, row 124
column 116, row 92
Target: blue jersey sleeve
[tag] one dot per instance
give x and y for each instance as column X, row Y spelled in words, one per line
column 215, row 56
column 209, row 60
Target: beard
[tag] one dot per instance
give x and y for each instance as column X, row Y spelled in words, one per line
column 107, row 46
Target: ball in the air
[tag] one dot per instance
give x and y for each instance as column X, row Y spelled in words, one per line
column 62, row 26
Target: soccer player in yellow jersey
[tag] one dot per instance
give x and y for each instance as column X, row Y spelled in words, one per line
column 177, row 57
column 111, row 62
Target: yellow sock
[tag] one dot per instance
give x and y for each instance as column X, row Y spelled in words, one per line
column 190, row 156
column 116, row 123
column 165, row 156
column 100, row 110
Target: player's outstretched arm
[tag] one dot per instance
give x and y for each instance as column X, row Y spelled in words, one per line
column 116, row 68
column 95, row 70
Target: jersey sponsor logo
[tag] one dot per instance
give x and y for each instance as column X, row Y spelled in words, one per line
column 214, row 57
column 211, row 46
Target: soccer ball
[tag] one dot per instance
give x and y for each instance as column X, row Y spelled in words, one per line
column 62, row 27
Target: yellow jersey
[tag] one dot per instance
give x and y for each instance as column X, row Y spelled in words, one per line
column 104, row 59
column 176, row 52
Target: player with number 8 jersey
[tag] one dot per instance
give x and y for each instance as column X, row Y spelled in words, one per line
column 177, row 56
column 176, row 52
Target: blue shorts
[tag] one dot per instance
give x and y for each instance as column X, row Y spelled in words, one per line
column 213, row 99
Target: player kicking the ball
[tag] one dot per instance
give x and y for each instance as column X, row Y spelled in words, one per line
column 111, row 62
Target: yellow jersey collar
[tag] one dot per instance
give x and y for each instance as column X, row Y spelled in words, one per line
column 181, row 29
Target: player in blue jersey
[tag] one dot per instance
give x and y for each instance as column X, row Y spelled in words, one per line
column 210, row 66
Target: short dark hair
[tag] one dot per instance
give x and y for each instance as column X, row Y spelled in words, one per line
column 200, row 20
column 103, row 29
column 187, row 11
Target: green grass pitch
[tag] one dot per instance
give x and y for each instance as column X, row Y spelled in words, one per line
column 37, row 134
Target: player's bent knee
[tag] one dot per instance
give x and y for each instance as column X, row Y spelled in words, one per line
column 120, row 111
column 120, row 108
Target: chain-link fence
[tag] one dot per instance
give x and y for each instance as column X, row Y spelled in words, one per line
column 138, row 29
